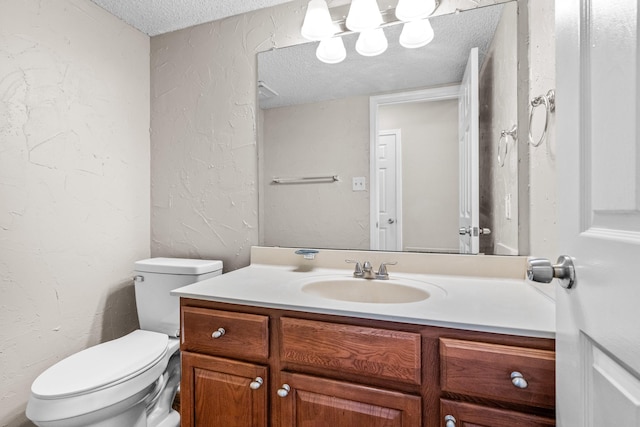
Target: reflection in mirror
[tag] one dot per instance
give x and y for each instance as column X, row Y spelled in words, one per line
column 315, row 122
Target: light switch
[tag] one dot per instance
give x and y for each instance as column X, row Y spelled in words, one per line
column 359, row 183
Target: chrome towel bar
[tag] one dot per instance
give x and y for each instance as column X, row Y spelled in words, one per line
column 306, row 179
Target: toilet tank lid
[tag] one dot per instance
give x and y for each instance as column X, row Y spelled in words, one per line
column 178, row 266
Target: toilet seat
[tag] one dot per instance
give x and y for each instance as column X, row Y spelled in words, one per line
column 102, row 366
column 102, row 377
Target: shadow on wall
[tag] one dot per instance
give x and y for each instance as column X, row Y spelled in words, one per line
column 119, row 314
column 119, row 317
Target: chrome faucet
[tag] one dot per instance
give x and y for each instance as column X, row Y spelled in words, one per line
column 365, row 271
column 368, row 270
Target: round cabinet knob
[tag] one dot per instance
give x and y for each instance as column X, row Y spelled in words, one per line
column 518, row 380
column 284, row 390
column 217, row 334
column 256, row 384
column 449, row 421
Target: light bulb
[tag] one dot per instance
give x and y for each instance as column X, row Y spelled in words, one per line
column 412, row 10
column 331, row 51
column 363, row 15
column 371, row 42
column 317, row 23
column 416, row 34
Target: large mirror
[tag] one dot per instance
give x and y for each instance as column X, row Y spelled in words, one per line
column 316, row 126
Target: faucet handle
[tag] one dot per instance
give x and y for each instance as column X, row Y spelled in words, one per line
column 357, row 272
column 382, row 271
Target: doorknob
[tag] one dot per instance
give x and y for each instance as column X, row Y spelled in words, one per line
column 467, row 230
column 541, row 270
column 464, row 230
column 391, row 220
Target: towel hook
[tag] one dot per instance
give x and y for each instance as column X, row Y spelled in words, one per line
column 503, row 148
column 549, row 102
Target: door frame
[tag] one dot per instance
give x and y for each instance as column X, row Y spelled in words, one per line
column 441, row 93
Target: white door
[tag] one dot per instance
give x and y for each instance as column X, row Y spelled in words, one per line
column 468, row 140
column 598, row 152
column 389, row 190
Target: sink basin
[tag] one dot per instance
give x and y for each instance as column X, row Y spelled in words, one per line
column 366, row 291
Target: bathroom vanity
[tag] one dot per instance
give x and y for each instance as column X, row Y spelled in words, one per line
column 259, row 350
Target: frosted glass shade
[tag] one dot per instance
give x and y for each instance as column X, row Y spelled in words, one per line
column 331, row 51
column 371, row 42
column 416, row 34
column 317, row 23
column 412, row 10
column 363, row 15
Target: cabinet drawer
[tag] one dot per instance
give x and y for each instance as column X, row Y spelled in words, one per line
column 468, row 414
column 246, row 336
column 484, row 370
column 336, row 347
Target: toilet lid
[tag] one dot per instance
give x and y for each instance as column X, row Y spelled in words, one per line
column 102, row 365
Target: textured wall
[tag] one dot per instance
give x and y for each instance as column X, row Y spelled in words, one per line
column 204, row 172
column 499, row 111
column 322, row 138
column 542, row 159
column 429, row 172
column 205, row 163
column 74, row 184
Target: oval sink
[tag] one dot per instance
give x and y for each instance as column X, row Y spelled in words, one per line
column 367, row 291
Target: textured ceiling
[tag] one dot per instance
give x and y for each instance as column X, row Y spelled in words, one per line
column 299, row 77
column 155, row 17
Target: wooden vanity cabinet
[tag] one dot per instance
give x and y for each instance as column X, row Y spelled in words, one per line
column 278, row 368
column 315, row 401
column 218, row 392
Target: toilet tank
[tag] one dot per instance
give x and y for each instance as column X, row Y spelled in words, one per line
column 155, row 278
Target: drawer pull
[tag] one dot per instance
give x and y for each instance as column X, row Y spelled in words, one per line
column 449, row 421
column 217, row 334
column 284, row 390
column 256, row 384
column 518, row 380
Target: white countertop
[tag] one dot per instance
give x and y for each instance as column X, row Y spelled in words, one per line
column 500, row 305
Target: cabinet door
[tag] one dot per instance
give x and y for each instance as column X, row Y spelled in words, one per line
column 313, row 402
column 470, row 415
column 222, row 392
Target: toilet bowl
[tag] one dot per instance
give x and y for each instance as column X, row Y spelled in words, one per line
column 96, row 384
column 130, row 381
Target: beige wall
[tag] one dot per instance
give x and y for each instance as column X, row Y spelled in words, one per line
column 204, row 174
column 323, row 138
column 429, row 132
column 74, row 184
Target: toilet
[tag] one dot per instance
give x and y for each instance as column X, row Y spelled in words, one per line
column 130, row 381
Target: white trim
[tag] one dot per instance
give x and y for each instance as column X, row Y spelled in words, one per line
column 433, row 94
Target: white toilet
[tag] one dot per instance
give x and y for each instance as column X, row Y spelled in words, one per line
column 130, row 381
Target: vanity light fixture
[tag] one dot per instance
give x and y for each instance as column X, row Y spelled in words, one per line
column 331, row 50
column 364, row 17
column 413, row 10
column 371, row 42
column 416, row 34
column 317, row 23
